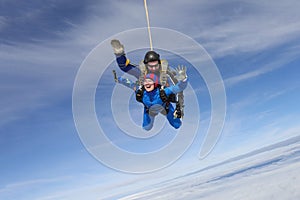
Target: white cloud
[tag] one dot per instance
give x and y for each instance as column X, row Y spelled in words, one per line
column 285, row 58
column 3, row 22
column 15, row 186
column 53, row 64
column 264, row 25
column 268, row 174
column 24, row 188
column 36, row 75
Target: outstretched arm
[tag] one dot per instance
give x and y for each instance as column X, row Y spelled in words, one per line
column 125, row 81
column 123, row 62
column 128, row 83
column 179, row 87
column 182, row 81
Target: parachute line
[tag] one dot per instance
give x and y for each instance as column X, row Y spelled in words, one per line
column 148, row 24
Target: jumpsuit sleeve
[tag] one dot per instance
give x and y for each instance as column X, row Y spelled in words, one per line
column 179, row 87
column 125, row 65
column 128, row 83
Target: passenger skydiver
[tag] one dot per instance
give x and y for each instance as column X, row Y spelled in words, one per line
column 156, row 99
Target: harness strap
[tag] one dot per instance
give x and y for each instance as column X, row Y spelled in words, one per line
column 166, row 100
column 139, row 94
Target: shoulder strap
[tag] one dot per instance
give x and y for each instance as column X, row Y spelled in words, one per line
column 139, row 94
column 139, row 97
column 163, row 94
column 143, row 70
column 164, row 65
column 163, row 72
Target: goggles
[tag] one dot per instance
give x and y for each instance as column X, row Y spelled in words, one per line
column 153, row 66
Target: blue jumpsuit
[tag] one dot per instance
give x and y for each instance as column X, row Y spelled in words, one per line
column 126, row 67
column 154, row 104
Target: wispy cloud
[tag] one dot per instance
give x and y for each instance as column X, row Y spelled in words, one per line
column 30, row 183
column 14, row 190
column 265, row 168
column 34, row 76
column 248, row 75
column 2, row 22
column 250, row 27
column 41, row 72
column 284, row 59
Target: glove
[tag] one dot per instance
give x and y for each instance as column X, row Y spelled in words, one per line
column 177, row 113
column 117, row 47
column 181, row 73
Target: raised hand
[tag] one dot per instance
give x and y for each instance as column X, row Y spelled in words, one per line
column 117, row 47
column 181, row 73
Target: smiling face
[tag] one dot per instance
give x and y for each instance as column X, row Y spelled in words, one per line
column 149, row 85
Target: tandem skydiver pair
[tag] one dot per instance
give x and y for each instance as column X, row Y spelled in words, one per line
column 157, row 86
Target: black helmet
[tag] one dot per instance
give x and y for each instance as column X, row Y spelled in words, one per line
column 151, row 56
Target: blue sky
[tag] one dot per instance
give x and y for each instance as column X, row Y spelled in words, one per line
column 254, row 44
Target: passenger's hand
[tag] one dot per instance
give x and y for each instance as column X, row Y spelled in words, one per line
column 181, row 73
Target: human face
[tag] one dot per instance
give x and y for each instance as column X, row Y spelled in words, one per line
column 148, row 85
column 153, row 66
